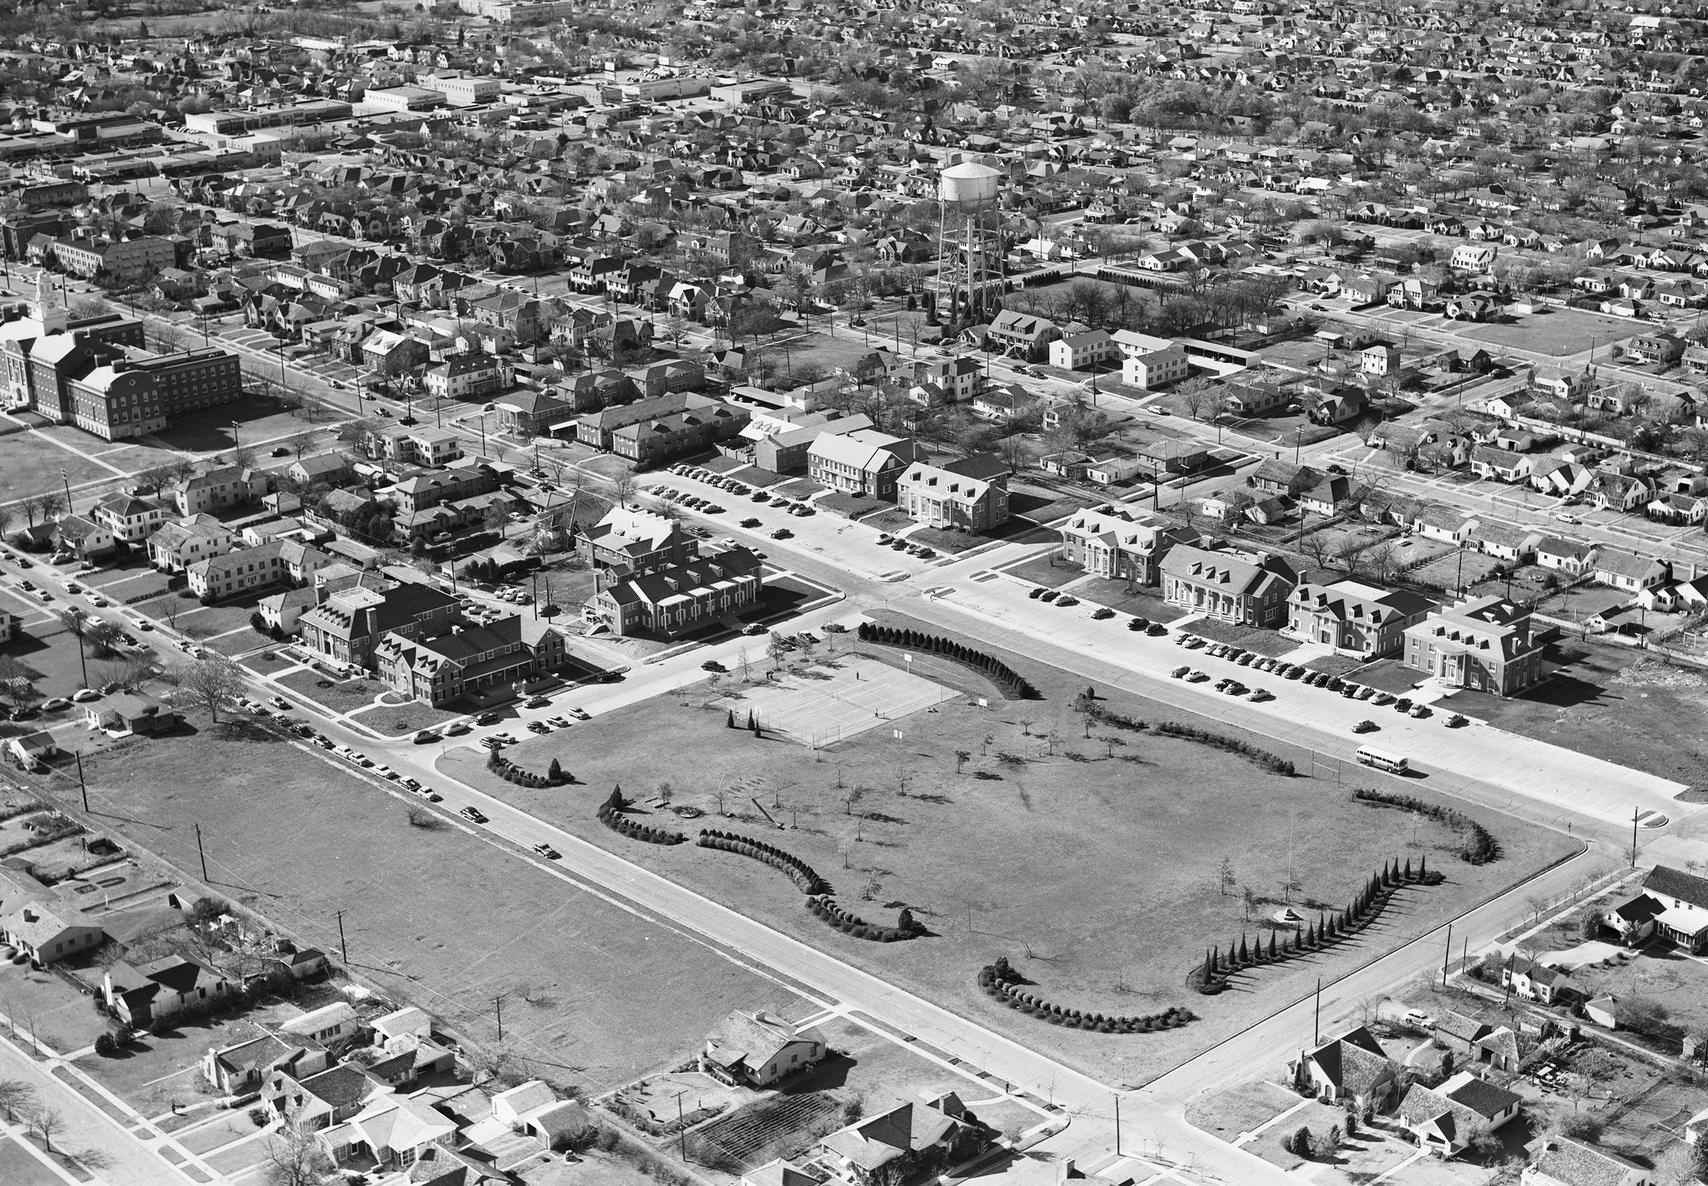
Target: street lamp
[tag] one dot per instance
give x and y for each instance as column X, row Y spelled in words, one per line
column 236, row 444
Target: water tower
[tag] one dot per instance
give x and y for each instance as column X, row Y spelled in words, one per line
column 969, row 241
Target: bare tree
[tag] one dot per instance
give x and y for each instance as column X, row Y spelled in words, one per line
column 1349, row 553
column 211, row 683
column 1383, row 559
column 294, row 1158
column 624, row 486
column 16, row 1098
column 46, row 1123
column 1225, row 879
column 1202, row 399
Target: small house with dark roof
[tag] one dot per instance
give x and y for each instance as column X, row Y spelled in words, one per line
column 1444, row 1120
column 1537, row 982
column 758, row 1049
column 1352, row 1067
column 1683, row 900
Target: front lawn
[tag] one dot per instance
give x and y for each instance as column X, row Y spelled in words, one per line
column 397, row 720
column 339, row 696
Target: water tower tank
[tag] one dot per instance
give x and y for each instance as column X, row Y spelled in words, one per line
column 968, row 185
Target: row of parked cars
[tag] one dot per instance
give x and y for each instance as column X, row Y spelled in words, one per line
column 924, row 552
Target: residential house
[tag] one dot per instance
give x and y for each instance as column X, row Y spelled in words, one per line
column 653, row 431
column 219, row 489
column 1474, row 257
column 1021, row 335
column 83, row 537
column 321, row 1100
column 1249, row 588
column 1149, row 362
column 157, row 992
column 1276, row 476
column 758, row 1050
column 47, row 930
column 128, row 517
column 1352, row 1068
column 1537, row 982
column 966, row 494
column 1444, row 1120
column 1629, row 571
column 1570, row 556
column 1672, row 904
column 348, row 622
column 1485, row 645
column 914, row 1139
column 241, row 1068
column 1353, row 617
column 533, row 1109
column 1121, row 542
column 1563, row 1161
column 131, row 712
column 1476, row 1043
column 173, row 547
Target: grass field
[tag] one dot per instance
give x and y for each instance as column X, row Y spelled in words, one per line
column 1092, row 865
column 30, row 464
column 433, row 915
column 395, row 720
column 1558, row 332
column 1612, row 702
column 339, row 695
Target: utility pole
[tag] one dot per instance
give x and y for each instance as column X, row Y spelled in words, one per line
column 1317, row 1017
column 1117, row 1124
column 1633, row 838
column 85, row 786
column 201, row 853
column 343, row 947
column 67, row 483
column 1447, row 955
column 498, row 1008
column 681, row 1128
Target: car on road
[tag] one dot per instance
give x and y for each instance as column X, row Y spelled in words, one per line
column 752, row 628
column 56, row 704
column 1102, row 613
column 95, row 599
column 85, row 695
column 1457, row 721
column 712, row 665
column 1259, row 695
column 1365, row 727
column 1419, row 711
column 425, row 736
column 559, row 722
column 751, row 523
column 537, row 702
column 539, row 727
column 73, row 587
column 579, row 714
column 456, row 728
column 473, row 815
column 280, row 703
column 488, row 718
column 547, row 851
column 782, row 533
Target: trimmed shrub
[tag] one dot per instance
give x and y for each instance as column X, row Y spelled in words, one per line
column 1477, row 844
column 998, row 981
column 1012, row 683
column 1274, row 763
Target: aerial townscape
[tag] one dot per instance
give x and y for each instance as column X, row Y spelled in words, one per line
column 882, row 593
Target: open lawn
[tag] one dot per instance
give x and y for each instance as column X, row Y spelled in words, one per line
column 209, row 621
column 49, row 652
column 1556, row 332
column 31, row 462
column 434, row 916
column 1090, row 863
column 1613, row 702
column 823, row 352
column 1138, row 601
column 20, row 1167
column 338, row 695
column 1046, row 570
column 396, row 720
column 42, row 1004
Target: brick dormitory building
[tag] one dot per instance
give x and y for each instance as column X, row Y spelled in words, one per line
column 94, row 373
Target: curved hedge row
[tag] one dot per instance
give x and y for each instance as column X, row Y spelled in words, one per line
column 1274, row 763
column 614, row 819
column 825, row 907
column 1211, row 976
column 801, row 873
column 1002, row 983
column 1479, row 847
column 1014, row 685
column 510, row 772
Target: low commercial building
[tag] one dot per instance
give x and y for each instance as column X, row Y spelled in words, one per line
column 663, row 428
column 1485, row 645
column 866, row 462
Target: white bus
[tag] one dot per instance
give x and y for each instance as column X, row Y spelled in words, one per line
column 1392, row 763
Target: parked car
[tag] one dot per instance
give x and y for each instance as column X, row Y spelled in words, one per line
column 456, row 728
column 1419, row 711
column 537, row 702
column 1365, row 727
column 1403, row 704
column 1102, row 613
column 1259, row 695
column 1067, row 599
column 559, row 722
column 782, row 533
column 539, row 727
column 1156, row 630
column 713, row 665
column 1180, row 672
column 579, row 714
column 750, row 523
column 473, row 815
column 1457, row 721
column 85, row 695
column 488, row 718
column 56, row 704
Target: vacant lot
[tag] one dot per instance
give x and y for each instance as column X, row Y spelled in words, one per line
column 31, row 463
column 1091, row 862
column 434, row 916
column 1610, row 701
column 1557, row 332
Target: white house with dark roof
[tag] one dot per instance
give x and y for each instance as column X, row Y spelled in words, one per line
column 966, row 494
column 1562, row 1161
column 1444, row 1120
column 1629, row 571
column 1353, row 617
column 866, row 463
column 758, row 1049
column 130, row 518
column 1352, row 1068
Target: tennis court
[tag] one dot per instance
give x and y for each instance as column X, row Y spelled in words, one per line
column 824, row 705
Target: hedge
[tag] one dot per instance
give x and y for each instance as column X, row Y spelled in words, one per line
column 1013, row 685
column 1108, row 716
column 1479, row 846
column 1211, row 975
column 802, row 874
column 510, row 772
column 1002, row 983
column 610, row 814
column 825, row 908
column 1274, row 763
